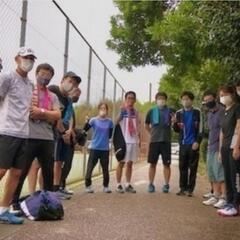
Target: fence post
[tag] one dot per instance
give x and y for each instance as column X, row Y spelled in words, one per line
column 23, row 23
column 65, row 64
column 89, row 75
column 114, row 99
column 104, row 82
column 122, row 94
column 150, row 92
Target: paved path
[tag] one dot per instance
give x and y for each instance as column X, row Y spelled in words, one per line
column 138, row 216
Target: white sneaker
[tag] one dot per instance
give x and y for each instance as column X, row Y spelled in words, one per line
column 208, row 195
column 107, row 190
column 89, row 189
column 210, row 201
column 219, row 211
column 228, row 212
column 220, row 204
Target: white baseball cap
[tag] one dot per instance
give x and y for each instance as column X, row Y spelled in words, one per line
column 25, row 51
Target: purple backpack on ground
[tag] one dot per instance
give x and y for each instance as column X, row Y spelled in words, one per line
column 42, row 205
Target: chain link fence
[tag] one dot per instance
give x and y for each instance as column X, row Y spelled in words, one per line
column 45, row 27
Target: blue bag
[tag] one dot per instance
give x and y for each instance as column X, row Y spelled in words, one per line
column 42, row 205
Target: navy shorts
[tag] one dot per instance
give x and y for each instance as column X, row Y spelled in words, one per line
column 62, row 150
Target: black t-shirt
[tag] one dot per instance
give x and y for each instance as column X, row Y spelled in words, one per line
column 228, row 121
column 63, row 100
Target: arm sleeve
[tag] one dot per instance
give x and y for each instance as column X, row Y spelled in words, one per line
column 4, row 85
column 88, row 125
column 199, row 130
column 237, row 113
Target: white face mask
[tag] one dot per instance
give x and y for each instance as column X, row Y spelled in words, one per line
column 186, row 103
column 26, row 64
column 226, row 100
column 102, row 113
column 67, row 87
column 161, row 102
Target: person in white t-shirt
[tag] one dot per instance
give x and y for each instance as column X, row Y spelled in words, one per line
column 129, row 122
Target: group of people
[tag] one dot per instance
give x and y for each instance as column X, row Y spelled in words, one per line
column 37, row 131
column 37, row 134
column 223, row 159
column 222, row 112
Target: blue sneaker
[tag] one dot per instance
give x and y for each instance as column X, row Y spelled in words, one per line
column 165, row 188
column 151, row 188
column 10, row 218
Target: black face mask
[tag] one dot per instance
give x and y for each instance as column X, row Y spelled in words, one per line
column 211, row 104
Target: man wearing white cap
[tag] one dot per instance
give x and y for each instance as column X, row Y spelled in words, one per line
column 15, row 99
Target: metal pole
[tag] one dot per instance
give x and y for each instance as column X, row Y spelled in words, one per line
column 122, row 94
column 23, row 23
column 89, row 75
column 84, row 39
column 114, row 98
column 65, row 64
column 104, row 82
column 150, row 92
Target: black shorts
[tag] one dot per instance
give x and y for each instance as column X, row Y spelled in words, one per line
column 160, row 148
column 62, row 150
column 43, row 150
column 12, row 150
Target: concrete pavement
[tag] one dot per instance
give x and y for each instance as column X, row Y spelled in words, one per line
column 127, row 216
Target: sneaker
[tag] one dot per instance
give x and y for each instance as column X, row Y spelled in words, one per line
column 120, row 189
column 89, row 189
column 220, row 204
column 107, row 190
column 130, row 189
column 225, row 207
column 15, row 209
column 181, row 193
column 208, row 195
column 151, row 188
column 228, row 212
column 165, row 188
column 66, row 191
column 7, row 217
column 62, row 195
column 210, row 201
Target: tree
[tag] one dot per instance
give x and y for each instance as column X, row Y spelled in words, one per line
column 130, row 38
column 199, row 41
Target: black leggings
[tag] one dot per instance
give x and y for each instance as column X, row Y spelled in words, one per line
column 43, row 150
column 231, row 170
column 67, row 166
column 103, row 156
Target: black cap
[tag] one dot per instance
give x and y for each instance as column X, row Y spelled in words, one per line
column 73, row 75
